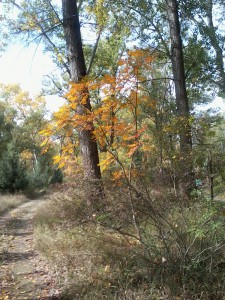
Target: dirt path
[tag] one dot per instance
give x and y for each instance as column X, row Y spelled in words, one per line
column 23, row 272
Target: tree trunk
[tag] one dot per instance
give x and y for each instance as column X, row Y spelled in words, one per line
column 211, row 175
column 183, row 112
column 210, row 31
column 88, row 144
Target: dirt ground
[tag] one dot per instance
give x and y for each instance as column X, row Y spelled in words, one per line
column 24, row 274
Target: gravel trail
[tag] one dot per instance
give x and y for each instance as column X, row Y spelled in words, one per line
column 24, row 273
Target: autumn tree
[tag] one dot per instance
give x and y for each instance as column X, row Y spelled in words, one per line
column 88, row 145
column 67, row 20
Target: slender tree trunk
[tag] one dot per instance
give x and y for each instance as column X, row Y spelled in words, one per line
column 206, row 25
column 211, row 175
column 183, row 112
column 210, row 31
column 88, row 144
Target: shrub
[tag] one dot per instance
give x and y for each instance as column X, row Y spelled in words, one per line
column 57, row 176
column 42, row 176
column 138, row 247
column 12, row 173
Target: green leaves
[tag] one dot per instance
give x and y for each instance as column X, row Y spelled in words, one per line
column 12, row 172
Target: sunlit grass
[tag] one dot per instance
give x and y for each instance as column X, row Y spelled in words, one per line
column 93, row 258
column 96, row 258
column 10, row 201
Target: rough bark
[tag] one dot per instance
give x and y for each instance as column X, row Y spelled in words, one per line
column 88, row 144
column 183, row 112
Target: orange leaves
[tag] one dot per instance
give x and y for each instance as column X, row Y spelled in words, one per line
column 63, row 113
column 139, row 53
column 78, row 94
column 114, row 119
column 109, row 79
column 60, row 161
column 132, row 148
column 136, row 59
column 117, row 175
column 106, row 162
column 82, row 122
column 141, row 57
column 75, row 89
column 67, row 159
column 57, row 159
column 47, row 131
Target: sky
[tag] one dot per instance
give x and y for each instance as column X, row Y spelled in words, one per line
column 28, row 66
column 217, row 103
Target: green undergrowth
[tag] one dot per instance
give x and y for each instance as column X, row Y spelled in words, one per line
column 138, row 247
column 8, row 201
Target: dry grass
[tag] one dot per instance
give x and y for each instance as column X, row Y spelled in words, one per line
column 94, row 258
column 8, row 202
column 90, row 261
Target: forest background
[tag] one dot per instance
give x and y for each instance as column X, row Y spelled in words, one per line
column 139, row 165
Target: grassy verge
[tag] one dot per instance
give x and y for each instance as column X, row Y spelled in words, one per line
column 8, row 202
column 164, row 251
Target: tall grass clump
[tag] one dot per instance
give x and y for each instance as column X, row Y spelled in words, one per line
column 141, row 245
column 8, row 201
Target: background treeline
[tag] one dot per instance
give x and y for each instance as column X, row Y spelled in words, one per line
column 23, row 166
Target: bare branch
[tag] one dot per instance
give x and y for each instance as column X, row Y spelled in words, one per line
column 59, row 88
column 79, row 5
column 94, row 52
column 55, row 12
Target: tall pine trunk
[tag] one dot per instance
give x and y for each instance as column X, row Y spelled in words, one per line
column 183, row 112
column 88, row 144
